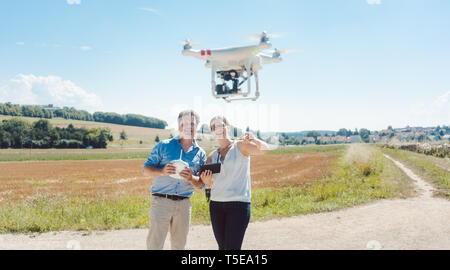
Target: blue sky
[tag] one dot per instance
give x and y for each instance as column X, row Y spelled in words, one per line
column 359, row 63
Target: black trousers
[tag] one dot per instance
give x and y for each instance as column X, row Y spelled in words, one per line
column 229, row 221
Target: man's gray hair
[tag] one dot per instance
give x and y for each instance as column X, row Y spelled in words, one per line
column 189, row 113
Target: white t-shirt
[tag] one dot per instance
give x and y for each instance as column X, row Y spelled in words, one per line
column 233, row 181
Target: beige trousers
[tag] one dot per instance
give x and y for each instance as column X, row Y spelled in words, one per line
column 165, row 215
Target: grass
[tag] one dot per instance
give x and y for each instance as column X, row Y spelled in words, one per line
column 306, row 149
column 9, row 155
column 354, row 182
column 45, row 212
column 361, row 175
column 434, row 170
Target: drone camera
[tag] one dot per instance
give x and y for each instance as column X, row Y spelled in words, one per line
column 228, row 76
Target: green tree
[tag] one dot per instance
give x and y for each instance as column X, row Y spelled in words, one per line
column 19, row 131
column 421, row 138
column 342, row 132
column 98, row 137
column 123, row 137
column 365, row 135
column 205, row 129
column 5, row 138
column 313, row 134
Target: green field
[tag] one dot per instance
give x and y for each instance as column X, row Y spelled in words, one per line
column 306, row 149
column 130, row 153
column 9, row 155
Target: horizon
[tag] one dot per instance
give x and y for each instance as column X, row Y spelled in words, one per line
column 242, row 129
column 359, row 63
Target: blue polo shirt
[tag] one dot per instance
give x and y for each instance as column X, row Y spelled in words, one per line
column 169, row 150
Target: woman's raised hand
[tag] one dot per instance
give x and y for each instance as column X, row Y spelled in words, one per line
column 249, row 137
column 206, row 177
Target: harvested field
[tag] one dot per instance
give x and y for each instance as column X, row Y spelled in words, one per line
column 111, row 178
column 291, row 169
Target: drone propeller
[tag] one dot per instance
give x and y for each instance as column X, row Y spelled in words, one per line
column 187, row 43
column 277, row 53
column 263, row 37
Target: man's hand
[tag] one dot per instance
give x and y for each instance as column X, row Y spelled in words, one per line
column 187, row 174
column 168, row 169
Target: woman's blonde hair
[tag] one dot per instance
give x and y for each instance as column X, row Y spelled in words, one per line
column 219, row 117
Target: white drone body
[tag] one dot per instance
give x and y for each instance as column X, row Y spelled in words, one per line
column 235, row 65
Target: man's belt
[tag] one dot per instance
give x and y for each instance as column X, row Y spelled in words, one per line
column 172, row 197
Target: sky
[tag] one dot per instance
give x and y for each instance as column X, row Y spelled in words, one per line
column 357, row 63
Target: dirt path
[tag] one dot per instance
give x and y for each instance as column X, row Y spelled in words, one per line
column 421, row 222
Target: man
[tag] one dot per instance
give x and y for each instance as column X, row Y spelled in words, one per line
column 171, row 206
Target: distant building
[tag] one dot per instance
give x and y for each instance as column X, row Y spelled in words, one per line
column 434, row 138
column 399, row 138
column 325, row 140
column 274, row 139
column 339, row 139
column 310, row 140
column 354, row 139
column 374, row 138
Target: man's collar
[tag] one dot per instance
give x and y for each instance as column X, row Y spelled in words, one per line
column 177, row 138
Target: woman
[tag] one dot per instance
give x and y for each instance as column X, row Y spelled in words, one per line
column 231, row 188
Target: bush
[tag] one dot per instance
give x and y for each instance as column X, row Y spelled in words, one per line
column 73, row 144
column 437, row 150
column 17, row 133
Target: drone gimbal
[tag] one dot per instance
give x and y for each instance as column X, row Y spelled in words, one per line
column 229, row 76
column 231, row 83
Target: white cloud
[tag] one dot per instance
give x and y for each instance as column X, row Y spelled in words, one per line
column 85, row 48
column 73, row 2
column 20, row 43
column 40, row 90
column 435, row 113
column 152, row 10
column 373, row 2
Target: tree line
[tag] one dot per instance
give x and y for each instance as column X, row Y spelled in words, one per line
column 18, row 133
column 74, row 114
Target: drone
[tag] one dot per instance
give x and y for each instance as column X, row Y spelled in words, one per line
column 234, row 66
